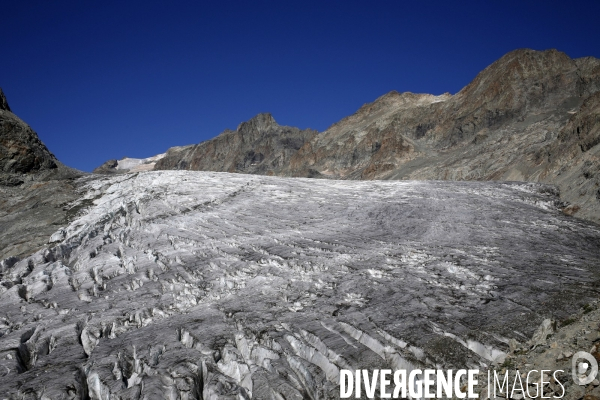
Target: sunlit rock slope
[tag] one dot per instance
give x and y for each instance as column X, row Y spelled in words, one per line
column 188, row 285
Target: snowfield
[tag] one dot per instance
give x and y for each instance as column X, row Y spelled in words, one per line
column 189, row 285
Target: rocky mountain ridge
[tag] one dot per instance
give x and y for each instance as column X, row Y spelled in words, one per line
column 515, row 121
column 505, row 125
column 258, row 146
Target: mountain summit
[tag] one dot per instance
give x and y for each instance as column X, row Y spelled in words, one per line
column 257, row 146
column 259, row 123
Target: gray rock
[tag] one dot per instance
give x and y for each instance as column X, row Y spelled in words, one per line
column 33, row 211
column 3, row 102
column 258, row 146
column 21, row 151
column 574, row 392
column 109, row 167
column 542, row 332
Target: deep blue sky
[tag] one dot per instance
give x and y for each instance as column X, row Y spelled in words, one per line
column 132, row 78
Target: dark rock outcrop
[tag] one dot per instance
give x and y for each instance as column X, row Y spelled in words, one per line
column 21, row 151
column 34, row 187
column 109, row 167
column 3, row 103
column 258, row 146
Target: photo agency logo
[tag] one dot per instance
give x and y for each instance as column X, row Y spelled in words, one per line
column 463, row 384
column 580, row 368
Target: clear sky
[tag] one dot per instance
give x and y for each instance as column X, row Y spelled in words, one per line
column 108, row 79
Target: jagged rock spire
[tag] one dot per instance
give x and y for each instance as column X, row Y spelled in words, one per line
column 3, row 102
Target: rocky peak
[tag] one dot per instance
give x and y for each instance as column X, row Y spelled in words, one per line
column 21, row 150
column 260, row 123
column 3, row 102
column 258, row 146
column 523, row 77
column 521, row 83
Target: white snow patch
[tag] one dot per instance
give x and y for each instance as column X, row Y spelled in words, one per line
column 139, row 164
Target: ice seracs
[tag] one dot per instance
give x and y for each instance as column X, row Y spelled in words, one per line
column 170, row 284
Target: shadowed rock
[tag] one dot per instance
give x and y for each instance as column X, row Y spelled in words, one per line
column 109, row 167
column 34, row 186
column 3, row 103
column 21, row 151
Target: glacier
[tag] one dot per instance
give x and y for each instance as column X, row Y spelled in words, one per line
column 189, row 285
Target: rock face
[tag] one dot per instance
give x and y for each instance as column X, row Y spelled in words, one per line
column 182, row 284
column 3, row 102
column 34, row 187
column 258, row 146
column 32, row 211
column 522, row 88
column 21, row 151
column 377, row 138
column 573, row 160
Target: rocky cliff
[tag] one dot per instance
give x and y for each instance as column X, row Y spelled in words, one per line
column 34, row 186
column 258, row 146
column 21, row 151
